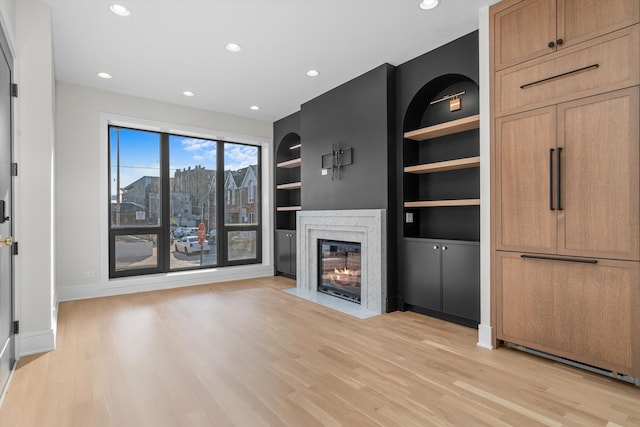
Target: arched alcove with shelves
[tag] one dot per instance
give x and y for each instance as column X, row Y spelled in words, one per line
column 441, row 161
column 441, row 200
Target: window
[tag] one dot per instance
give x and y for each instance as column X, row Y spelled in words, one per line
column 250, row 192
column 164, row 186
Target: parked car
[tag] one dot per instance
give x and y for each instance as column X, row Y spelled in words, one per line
column 185, row 231
column 211, row 236
column 189, row 245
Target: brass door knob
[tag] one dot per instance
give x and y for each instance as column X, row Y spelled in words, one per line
column 7, row 241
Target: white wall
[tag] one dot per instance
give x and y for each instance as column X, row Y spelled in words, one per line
column 34, row 147
column 485, row 327
column 81, row 186
column 8, row 18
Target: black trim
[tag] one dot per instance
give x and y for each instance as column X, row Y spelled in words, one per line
column 14, row 169
column 14, row 248
column 551, row 151
column 551, row 258
column 162, row 231
column 16, row 326
column 14, row 90
column 557, row 76
column 559, row 178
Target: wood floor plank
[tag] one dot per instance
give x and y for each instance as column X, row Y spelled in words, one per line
column 245, row 353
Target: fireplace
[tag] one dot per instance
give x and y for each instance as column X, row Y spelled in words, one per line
column 366, row 227
column 339, row 269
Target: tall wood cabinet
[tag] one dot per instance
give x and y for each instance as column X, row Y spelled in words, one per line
column 566, row 179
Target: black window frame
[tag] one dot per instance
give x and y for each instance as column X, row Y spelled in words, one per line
column 163, row 230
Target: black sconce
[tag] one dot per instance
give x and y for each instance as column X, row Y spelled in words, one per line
column 336, row 159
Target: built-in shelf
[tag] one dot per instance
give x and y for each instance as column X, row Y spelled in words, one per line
column 293, row 163
column 293, row 147
column 288, row 208
column 449, row 165
column 289, row 186
column 439, row 203
column 443, row 129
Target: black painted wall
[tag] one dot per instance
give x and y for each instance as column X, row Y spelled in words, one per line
column 285, row 126
column 439, row 68
column 357, row 114
column 286, row 132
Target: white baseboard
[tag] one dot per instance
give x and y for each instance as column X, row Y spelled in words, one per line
column 484, row 336
column 162, row 281
column 35, row 342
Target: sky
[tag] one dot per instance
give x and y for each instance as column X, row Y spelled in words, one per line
column 140, row 155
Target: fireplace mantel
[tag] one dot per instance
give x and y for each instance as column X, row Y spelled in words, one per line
column 365, row 226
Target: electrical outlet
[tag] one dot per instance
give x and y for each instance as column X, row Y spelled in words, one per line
column 409, row 217
column 325, row 171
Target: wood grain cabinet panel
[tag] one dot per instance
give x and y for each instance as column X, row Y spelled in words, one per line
column 529, row 29
column 523, row 31
column 604, row 64
column 584, row 312
column 525, row 215
column 600, row 176
column 580, row 20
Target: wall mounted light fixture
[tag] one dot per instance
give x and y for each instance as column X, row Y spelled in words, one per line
column 454, row 100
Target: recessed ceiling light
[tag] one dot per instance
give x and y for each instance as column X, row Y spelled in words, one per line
column 188, row 93
column 118, row 9
column 105, row 75
column 233, row 47
column 428, row 4
column 254, row 107
column 313, row 73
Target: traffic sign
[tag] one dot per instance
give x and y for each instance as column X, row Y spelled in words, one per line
column 202, row 231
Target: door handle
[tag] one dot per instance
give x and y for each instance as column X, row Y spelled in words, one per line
column 551, row 151
column 7, row 241
column 559, row 173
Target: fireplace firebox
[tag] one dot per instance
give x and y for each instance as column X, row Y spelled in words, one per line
column 339, row 269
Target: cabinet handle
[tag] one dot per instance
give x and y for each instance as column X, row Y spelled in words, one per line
column 435, row 247
column 551, row 151
column 559, row 173
column 559, row 42
column 444, row 248
column 551, row 44
column 551, row 258
column 557, row 76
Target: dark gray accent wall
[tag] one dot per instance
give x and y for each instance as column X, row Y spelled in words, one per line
column 358, row 114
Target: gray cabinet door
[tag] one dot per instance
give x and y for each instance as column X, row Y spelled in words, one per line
column 285, row 257
column 461, row 280
column 422, row 274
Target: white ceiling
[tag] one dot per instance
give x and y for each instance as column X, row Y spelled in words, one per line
column 166, row 47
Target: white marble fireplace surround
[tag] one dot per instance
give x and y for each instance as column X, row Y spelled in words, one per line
column 365, row 226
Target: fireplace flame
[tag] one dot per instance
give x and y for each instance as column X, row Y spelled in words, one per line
column 346, row 271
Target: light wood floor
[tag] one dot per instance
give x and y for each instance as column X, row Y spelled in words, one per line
column 247, row 354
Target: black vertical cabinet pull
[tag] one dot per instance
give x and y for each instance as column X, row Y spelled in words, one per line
column 551, row 151
column 559, row 179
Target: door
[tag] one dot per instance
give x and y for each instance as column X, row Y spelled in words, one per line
column 599, row 178
column 6, row 221
column 461, row 280
column 580, row 20
column 524, row 174
column 524, row 31
column 285, row 259
column 583, row 311
column 422, row 278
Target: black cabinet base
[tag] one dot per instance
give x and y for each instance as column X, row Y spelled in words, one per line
column 442, row 316
column 288, row 275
